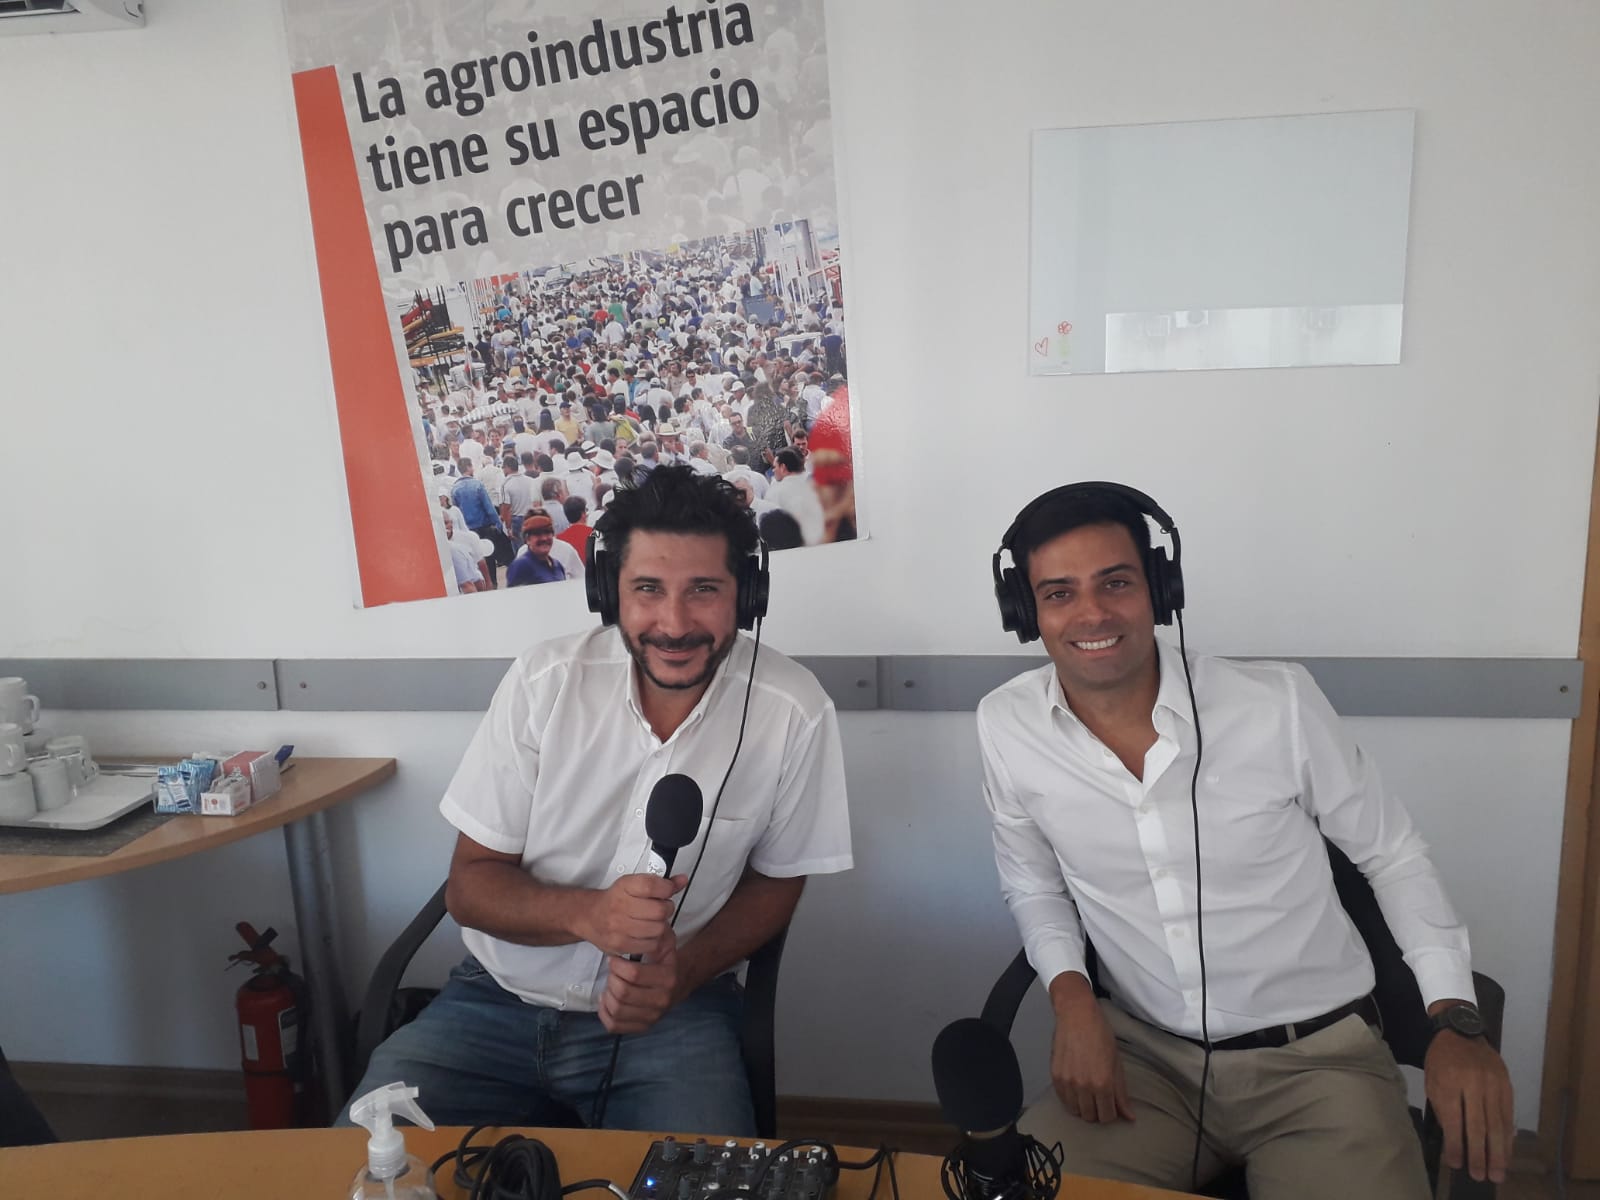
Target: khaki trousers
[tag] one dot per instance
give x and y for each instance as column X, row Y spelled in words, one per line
column 1323, row 1117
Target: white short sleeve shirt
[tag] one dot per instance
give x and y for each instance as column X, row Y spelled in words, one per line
column 562, row 766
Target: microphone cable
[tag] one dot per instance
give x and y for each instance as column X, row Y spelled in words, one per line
column 602, row 1096
column 514, row 1168
column 1199, row 909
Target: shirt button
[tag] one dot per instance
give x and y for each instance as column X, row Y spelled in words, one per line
column 619, row 868
column 638, row 812
column 577, row 987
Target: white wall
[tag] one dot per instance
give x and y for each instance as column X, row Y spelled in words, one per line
column 166, row 400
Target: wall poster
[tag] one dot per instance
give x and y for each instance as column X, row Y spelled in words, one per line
column 563, row 243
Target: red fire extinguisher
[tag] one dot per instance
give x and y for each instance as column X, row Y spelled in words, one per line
column 272, row 1019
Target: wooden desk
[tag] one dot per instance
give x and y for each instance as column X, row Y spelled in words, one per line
column 310, row 788
column 308, row 1164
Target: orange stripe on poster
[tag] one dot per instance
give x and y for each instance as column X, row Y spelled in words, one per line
column 396, row 554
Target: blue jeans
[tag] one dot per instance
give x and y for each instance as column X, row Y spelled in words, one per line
column 483, row 1056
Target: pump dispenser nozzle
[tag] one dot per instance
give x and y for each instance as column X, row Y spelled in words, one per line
column 375, row 1112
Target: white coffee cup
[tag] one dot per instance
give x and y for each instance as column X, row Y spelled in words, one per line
column 17, row 707
column 13, row 751
column 16, row 797
column 52, row 783
column 73, row 749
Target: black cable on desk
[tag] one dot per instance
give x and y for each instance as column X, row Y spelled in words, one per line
column 514, row 1168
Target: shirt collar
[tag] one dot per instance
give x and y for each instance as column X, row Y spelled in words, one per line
column 709, row 697
column 1172, row 694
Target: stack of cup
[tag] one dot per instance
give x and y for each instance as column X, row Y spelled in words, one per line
column 16, row 706
column 72, row 752
column 16, row 784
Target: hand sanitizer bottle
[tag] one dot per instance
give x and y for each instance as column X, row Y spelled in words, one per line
column 390, row 1173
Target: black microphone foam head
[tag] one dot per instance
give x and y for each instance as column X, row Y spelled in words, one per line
column 672, row 817
column 976, row 1076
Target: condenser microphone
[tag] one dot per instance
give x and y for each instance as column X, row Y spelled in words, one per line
column 671, row 820
column 979, row 1085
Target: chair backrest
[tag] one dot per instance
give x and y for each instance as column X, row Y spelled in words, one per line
column 387, row 1006
column 758, row 1032
column 1405, row 1019
column 376, row 1021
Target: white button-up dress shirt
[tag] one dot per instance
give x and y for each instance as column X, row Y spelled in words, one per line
column 563, row 764
column 1084, row 847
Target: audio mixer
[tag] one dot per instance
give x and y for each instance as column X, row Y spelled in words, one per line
column 702, row 1170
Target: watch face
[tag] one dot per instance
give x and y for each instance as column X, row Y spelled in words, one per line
column 1464, row 1019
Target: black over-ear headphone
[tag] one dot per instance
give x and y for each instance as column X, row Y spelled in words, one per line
column 1165, row 575
column 600, row 582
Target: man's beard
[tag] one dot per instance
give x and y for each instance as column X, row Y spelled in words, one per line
column 713, row 661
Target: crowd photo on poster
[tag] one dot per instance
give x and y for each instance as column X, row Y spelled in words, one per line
column 546, row 392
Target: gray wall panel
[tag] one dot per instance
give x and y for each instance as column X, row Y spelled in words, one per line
column 949, row 683
column 1358, row 687
column 189, row 684
column 852, row 682
column 389, row 684
column 1450, row 687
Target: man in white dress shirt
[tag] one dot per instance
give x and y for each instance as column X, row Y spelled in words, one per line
column 548, row 804
column 1088, row 768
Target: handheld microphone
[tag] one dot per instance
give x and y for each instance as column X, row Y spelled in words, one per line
column 671, row 819
column 979, row 1085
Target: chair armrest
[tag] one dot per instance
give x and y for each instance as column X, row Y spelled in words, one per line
column 373, row 1024
column 1005, row 998
column 756, row 1032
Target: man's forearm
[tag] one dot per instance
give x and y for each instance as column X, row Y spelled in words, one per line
column 758, row 908
column 504, row 901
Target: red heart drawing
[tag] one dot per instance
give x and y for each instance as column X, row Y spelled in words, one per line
column 1042, row 345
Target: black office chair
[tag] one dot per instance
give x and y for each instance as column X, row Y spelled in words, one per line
column 388, row 1006
column 1405, row 1019
column 21, row 1122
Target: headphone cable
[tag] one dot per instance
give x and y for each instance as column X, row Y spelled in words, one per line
column 1199, row 908
column 602, row 1096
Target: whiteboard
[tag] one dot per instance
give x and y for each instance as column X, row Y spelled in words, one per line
column 1263, row 242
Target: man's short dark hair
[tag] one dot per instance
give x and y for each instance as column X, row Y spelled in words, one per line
column 791, row 460
column 1073, row 511
column 680, row 500
column 575, row 507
